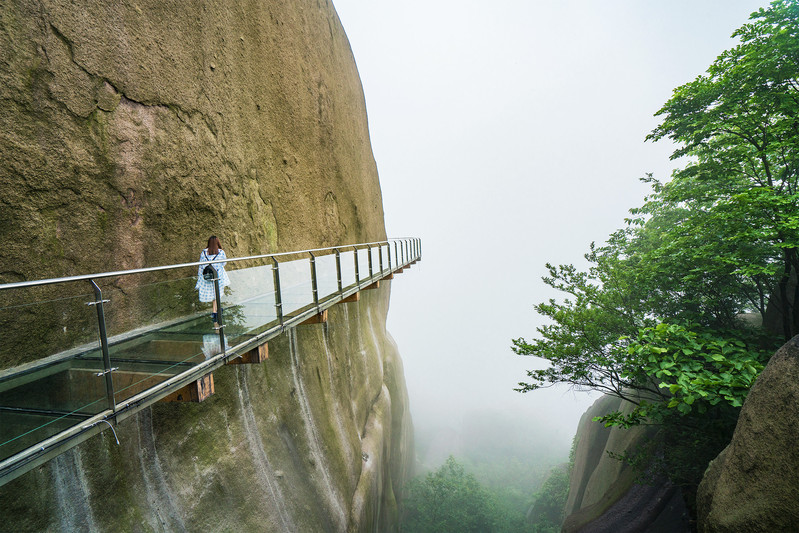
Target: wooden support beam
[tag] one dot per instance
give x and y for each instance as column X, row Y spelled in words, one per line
column 319, row 318
column 352, row 298
column 257, row 355
column 375, row 285
column 390, row 276
column 195, row 391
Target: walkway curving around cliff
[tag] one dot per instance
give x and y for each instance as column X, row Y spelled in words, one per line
column 155, row 344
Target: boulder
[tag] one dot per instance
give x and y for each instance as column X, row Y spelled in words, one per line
column 753, row 485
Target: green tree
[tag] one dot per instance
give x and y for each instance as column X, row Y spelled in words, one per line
column 655, row 319
column 717, row 240
column 449, row 499
column 546, row 514
column 739, row 123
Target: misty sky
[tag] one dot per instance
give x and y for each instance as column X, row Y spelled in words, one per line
column 508, row 134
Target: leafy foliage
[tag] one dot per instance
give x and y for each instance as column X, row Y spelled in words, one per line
column 695, row 369
column 739, row 122
column 656, row 317
column 716, row 241
column 452, row 500
column 546, row 514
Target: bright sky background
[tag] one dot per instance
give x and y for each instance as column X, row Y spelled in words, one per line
column 507, row 134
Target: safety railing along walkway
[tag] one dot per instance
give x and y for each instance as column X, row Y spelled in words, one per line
column 74, row 362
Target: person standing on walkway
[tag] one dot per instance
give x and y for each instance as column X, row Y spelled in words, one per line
column 213, row 252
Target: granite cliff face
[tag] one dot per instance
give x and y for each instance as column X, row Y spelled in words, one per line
column 604, row 495
column 133, row 130
column 130, row 131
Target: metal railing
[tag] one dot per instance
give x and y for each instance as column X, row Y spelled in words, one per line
column 162, row 341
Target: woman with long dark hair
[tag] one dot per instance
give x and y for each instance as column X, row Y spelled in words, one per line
column 213, row 252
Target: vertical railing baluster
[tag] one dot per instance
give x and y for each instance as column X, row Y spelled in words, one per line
column 369, row 255
column 380, row 257
column 220, row 327
column 109, row 381
column 278, row 296
column 338, row 272
column 357, row 275
column 314, row 285
column 388, row 247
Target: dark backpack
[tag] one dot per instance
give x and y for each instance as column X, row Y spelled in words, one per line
column 209, row 272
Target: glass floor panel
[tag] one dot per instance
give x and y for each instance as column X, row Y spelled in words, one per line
column 20, row 429
column 71, row 386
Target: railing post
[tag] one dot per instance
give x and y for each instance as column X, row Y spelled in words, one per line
column 369, row 254
column 314, row 286
column 338, row 272
column 278, row 297
column 109, row 382
column 396, row 255
column 380, row 258
column 388, row 247
column 357, row 275
column 220, row 327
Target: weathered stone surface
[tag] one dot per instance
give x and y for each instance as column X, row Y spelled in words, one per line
column 133, row 130
column 603, row 494
column 129, row 132
column 753, row 485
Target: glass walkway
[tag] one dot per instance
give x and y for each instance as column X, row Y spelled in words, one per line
column 83, row 353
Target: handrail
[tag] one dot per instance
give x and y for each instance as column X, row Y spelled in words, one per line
column 99, row 275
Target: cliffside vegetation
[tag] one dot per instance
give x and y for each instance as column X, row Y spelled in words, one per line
column 680, row 309
column 451, row 499
column 495, row 473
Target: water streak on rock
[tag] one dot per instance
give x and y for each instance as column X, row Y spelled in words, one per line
column 159, row 495
column 263, row 469
column 72, row 493
column 334, row 502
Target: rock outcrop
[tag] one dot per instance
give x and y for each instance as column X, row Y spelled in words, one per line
column 604, row 496
column 133, row 130
column 129, row 132
column 753, row 485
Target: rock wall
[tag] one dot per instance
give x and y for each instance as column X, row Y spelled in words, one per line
column 133, row 130
column 604, row 495
column 129, row 132
column 753, row 485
